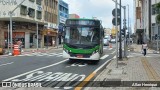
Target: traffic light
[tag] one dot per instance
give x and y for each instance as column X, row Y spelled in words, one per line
column 122, row 31
column 114, row 21
column 156, row 36
column 13, row 26
column 114, row 18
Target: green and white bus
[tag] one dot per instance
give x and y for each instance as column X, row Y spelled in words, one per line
column 83, row 39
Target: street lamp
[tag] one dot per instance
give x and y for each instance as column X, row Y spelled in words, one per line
column 11, row 12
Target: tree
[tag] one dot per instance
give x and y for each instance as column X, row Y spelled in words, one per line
column 158, row 16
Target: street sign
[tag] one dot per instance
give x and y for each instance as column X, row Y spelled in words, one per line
column 114, row 12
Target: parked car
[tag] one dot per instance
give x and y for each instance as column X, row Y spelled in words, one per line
column 108, row 37
column 106, row 42
column 113, row 40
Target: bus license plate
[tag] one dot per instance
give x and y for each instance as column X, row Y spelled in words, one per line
column 79, row 56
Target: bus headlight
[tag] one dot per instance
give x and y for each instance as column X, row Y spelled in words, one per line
column 65, row 50
column 95, row 51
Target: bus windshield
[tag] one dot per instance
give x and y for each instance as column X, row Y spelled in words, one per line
column 86, row 36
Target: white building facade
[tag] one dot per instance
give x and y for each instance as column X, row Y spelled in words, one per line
column 24, row 20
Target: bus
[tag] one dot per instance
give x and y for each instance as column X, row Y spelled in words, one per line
column 83, row 39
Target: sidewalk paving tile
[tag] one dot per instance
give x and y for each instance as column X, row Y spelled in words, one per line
column 137, row 68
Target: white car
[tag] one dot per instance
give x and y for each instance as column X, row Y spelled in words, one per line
column 113, row 40
column 106, row 42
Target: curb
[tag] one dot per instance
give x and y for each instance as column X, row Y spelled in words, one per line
column 95, row 73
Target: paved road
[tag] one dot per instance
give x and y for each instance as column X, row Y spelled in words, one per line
column 49, row 66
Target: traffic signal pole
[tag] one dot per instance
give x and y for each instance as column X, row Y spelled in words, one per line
column 116, row 36
column 120, row 36
column 11, row 12
column 125, row 32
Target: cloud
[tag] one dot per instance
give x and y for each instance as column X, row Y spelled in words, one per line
column 102, row 9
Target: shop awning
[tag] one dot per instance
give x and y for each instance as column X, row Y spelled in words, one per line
column 50, row 32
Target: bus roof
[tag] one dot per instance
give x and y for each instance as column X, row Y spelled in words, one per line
column 82, row 19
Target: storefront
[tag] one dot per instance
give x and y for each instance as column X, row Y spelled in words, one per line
column 15, row 37
column 49, row 37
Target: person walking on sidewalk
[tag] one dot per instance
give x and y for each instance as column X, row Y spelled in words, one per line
column 144, row 48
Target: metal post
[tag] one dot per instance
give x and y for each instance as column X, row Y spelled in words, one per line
column 8, row 38
column 120, row 36
column 37, row 35
column 128, row 28
column 157, row 47
column 11, row 33
column 58, row 17
column 11, row 12
column 124, row 31
column 47, row 39
column 116, row 37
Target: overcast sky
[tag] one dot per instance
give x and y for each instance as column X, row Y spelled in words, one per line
column 102, row 9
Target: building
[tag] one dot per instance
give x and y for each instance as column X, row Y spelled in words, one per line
column 139, row 30
column 145, row 26
column 155, row 26
column 25, row 18
column 107, row 31
column 50, row 15
column 63, row 15
column 74, row 16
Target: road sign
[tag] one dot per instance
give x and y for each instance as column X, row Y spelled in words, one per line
column 114, row 12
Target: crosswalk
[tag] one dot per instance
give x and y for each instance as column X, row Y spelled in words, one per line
column 42, row 54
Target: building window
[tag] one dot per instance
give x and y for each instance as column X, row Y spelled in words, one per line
column 23, row 10
column 46, row 2
column 31, row 12
column 155, row 10
column 32, row 0
column 46, row 16
column 39, row 2
column 39, row 15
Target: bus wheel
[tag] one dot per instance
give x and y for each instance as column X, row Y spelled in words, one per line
column 71, row 60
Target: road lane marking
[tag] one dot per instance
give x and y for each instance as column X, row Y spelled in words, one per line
column 35, row 70
column 6, row 64
column 103, row 57
column 87, row 79
column 110, row 48
column 113, row 52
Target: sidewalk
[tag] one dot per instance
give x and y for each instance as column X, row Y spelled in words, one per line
column 137, row 48
column 139, row 68
column 29, row 50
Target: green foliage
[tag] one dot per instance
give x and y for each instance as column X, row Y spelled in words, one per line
column 158, row 5
column 158, row 16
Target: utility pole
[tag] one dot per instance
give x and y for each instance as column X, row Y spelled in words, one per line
column 8, row 38
column 116, row 24
column 11, row 12
column 128, row 27
column 57, row 38
column 37, row 35
column 120, row 36
column 124, row 31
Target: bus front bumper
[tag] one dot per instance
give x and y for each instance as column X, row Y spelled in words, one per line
column 95, row 56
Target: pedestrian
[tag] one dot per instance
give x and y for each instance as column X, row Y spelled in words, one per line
column 19, row 42
column 144, row 48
